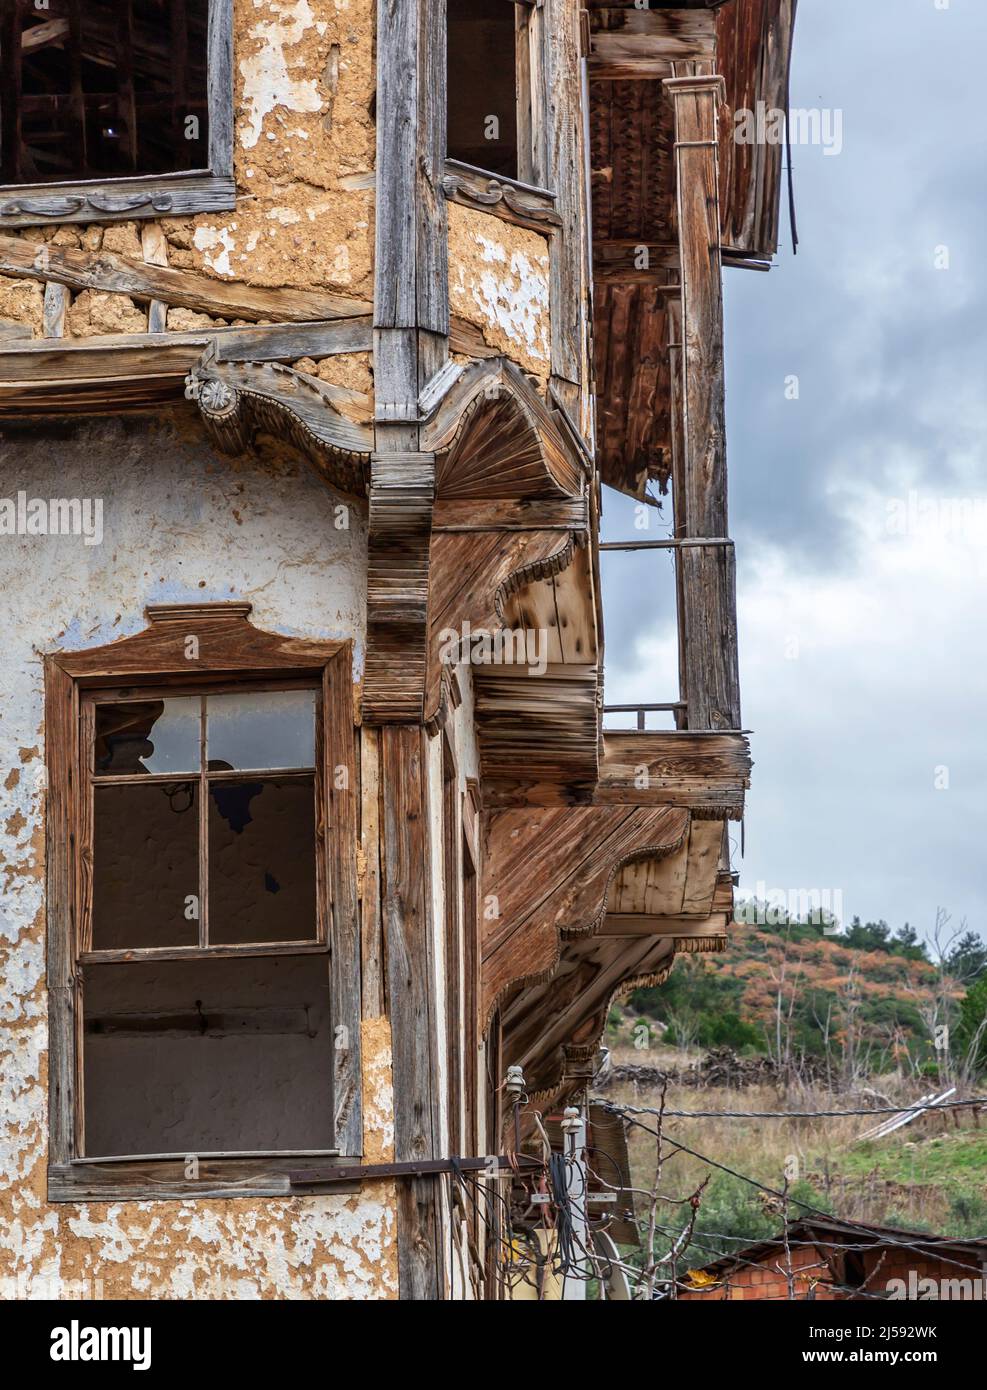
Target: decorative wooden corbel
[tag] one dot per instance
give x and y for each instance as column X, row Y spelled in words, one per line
column 496, row 438
column 239, row 400
column 573, row 854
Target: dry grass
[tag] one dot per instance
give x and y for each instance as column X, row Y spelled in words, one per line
column 931, row 1175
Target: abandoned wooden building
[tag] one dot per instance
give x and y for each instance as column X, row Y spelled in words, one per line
column 324, row 324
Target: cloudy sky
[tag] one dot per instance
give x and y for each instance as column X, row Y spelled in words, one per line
column 859, row 508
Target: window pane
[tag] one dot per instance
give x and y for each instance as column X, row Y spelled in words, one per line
column 482, row 109
column 276, row 729
column 210, row 1055
column 262, row 860
column 146, row 865
column 156, row 736
column 107, row 88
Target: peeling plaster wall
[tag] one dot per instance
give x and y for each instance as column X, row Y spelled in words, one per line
column 304, row 151
column 499, row 281
column 179, row 524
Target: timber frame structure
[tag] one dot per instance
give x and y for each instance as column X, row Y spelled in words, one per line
column 478, row 466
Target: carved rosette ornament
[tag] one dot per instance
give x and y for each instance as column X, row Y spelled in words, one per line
column 215, row 398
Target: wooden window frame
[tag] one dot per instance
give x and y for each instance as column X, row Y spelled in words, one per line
column 181, row 194
column 526, row 198
column 229, row 651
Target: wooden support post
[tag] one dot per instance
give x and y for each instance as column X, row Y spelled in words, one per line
column 707, row 574
column 154, row 247
column 411, row 344
column 564, row 175
column 407, row 937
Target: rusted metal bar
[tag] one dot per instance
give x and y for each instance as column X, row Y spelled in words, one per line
column 426, row 1167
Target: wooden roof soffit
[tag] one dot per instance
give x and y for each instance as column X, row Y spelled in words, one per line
column 570, row 856
column 624, row 952
column 562, row 1058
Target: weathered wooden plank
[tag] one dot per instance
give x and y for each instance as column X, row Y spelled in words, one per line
column 22, row 258
column 525, row 204
column 402, row 489
column 154, row 245
column 508, row 514
column 61, row 759
column 343, row 794
column 372, row 943
column 220, row 88
column 754, row 42
column 636, row 44
column 218, row 1178
column 409, row 962
column 705, row 843
column 568, row 856
column 704, row 771
column 561, row 26
column 55, row 307
column 707, row 574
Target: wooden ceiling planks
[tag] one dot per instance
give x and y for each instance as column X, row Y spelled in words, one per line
column 634, row 205
column 543, row 1020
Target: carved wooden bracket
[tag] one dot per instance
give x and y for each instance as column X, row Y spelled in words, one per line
column 239, row 400
column 497, row 438
column 523, row 203
column 509, row 512
column 573, row 854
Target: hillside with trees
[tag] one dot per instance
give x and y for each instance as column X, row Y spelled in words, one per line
column 865, row 1001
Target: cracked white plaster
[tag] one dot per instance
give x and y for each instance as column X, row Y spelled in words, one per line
column 267, row 82
column 216, row 245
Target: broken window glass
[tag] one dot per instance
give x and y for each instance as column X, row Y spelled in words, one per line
column 148, row 736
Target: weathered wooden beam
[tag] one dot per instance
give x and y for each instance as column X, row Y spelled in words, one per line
column 22, row 258
column 154, row 245
column 707, row 574
column 636, row 44
column 133, row 370
column 411, row 1002
column 402, row 490
column 55, row 307
column 565, row 178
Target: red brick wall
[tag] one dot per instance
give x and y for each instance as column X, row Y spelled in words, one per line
column 765, row 1278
